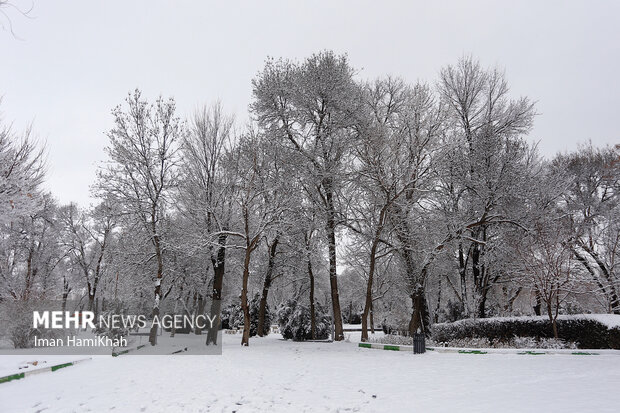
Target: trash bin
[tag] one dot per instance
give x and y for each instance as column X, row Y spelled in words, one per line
column 419, row 344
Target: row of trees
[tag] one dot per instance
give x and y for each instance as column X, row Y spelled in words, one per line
column 428, row 196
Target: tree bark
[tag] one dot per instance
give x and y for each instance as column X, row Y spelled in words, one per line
column 552, row 319
column 218, row 262
column 333, row 276
column 200, row 311
column 537, row 307
column 160, row 270
column 368, row 303
column 372, row 317
column 266, row 285
column 438, row 306
column 478, row 275
column 245, row 339
column 312, row 309
column 419, row 312
column 463, row 278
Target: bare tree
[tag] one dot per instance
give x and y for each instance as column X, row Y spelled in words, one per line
column 256, row 216
column 86, row 237
column 489, row 160
column 312, row 106
column 592, row 201
column 205, row 193
column 396, row 136
column 142, row 171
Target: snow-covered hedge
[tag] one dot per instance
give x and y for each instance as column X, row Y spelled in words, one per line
column 586, row 331
column 391, row 339
column 294, row 321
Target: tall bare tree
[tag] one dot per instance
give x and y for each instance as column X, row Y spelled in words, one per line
column 142, row 171
column 312, row 107
column 206, row 191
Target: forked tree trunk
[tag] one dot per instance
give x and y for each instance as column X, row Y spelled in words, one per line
column 266, row 285
column 553, row 320
column 419, row 317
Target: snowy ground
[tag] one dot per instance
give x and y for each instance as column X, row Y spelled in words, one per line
column 281, row 376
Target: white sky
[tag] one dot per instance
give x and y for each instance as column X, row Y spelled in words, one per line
column 73, row 61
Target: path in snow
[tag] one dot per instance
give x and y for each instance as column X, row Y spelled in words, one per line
column 281, row 376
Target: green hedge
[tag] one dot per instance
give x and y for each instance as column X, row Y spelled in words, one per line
column 585, row 332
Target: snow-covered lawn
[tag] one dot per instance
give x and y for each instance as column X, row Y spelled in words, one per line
column 283, row 376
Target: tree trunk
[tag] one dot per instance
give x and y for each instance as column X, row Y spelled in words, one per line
column 333, row 276
column 482, row 301
column 91, row 302
column 312, row 310
column 160, row 270
column 538, row 306
column 173, row 328
column 245, row 340
column 199, row 312
column 218, row 280
column 65, row 292
column 463, row 278
column 418, row 314
column 368, row 303
column 266, row 285
column 155, row 313
column 420, row 317
column 372, row 318
column 553, row 320
column 478, row 274
column 438, row 306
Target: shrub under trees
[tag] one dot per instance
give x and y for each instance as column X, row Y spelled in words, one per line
column 294, row 321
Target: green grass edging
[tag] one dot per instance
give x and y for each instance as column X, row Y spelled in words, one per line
column 56, row 367
column 120, row 353
column 60, row 366
column 7, row 379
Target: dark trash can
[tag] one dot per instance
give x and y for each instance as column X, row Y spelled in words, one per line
column 419, row 344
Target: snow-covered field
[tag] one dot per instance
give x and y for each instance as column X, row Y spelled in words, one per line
column 273, row 375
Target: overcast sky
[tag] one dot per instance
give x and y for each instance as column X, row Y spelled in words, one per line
column 71, row 62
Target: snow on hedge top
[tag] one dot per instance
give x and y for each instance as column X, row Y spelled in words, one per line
column 609, row 320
